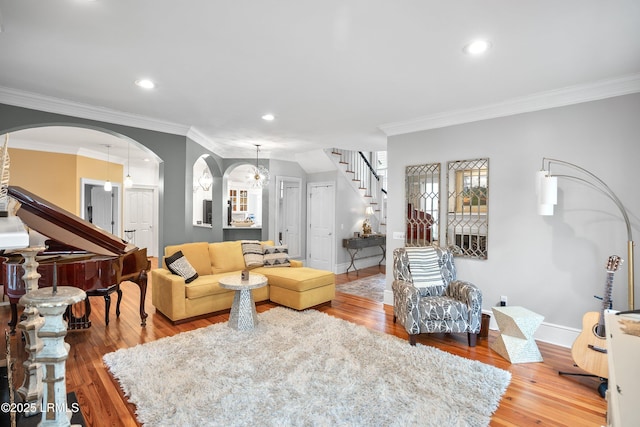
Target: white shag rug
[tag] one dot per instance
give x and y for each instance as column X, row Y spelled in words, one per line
column 303, row 369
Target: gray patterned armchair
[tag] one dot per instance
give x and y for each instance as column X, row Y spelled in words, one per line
column 437, row 304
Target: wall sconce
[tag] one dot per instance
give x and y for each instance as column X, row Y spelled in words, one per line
column 547, row 189
column 205, row 180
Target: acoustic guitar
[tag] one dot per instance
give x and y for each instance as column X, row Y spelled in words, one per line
column 589, row 350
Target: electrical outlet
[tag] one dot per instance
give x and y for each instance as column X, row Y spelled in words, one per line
column 503, row 301
column 398, row 235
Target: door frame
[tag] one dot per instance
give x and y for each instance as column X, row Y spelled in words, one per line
column 153, row 250
column 84, row 182
column 279, row 181
column 310, row 185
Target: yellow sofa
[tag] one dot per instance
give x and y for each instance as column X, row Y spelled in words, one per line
column 296, row 286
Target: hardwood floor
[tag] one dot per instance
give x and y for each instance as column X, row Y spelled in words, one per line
column 537, row 395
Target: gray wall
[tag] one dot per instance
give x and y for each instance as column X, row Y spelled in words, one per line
column 177, row 155
column 551, row 265
column 175, row 188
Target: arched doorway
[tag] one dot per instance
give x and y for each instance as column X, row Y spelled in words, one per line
column 89, row 158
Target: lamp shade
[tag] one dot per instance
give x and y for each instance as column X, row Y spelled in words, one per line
column 548, row 191
column 540, row 175
column 545, row 210
column 369, row 210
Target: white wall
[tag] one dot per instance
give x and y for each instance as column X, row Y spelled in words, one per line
column 551, row 265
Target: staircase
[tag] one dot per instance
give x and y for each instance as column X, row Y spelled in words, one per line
column 357, row 168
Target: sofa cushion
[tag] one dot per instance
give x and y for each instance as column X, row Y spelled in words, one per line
column 225, row 257
column 253, row 253
column 276, row 256
column 297, row 279
column 206, row 285
column 196, row 253
column 178, row 264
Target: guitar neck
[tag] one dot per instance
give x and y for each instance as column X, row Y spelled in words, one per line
column 606, row 299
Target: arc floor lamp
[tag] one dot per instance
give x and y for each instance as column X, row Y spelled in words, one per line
column 547, row 190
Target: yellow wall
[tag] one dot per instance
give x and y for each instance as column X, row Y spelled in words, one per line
column 56, row 177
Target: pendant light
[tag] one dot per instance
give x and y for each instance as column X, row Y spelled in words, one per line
column 107, row 184
column 205, row 180
column 128, row 181
column 259, row 177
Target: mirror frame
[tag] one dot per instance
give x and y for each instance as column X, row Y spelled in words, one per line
column 468, row 207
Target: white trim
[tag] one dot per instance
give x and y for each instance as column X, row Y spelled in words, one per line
column 36, row 101
column 551, row 333
column 360, row 263
column 550, row 99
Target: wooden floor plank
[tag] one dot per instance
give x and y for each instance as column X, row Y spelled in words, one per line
column 537, row 395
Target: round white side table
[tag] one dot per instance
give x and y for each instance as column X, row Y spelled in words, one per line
column 243, row 316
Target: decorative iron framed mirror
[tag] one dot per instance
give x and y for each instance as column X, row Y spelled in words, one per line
column 468, row 206
column 422, row 195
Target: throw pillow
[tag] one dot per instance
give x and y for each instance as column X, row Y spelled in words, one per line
column 424, row 266
column 178, row 264
column 252, row 252
column 276, row 256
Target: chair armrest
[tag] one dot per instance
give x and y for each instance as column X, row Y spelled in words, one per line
column 168, row 293
column 471, row 295
column 405, row 305
column 295, row 263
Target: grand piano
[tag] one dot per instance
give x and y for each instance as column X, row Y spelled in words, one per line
column 82, row 255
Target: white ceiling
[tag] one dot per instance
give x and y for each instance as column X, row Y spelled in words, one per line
column 333, row 72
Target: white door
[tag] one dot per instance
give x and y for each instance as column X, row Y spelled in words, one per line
column 104, row 209
column 320, row 217
column 291, row 208
column 139, row 214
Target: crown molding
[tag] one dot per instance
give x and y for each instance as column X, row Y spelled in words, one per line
column 198, row 137
column 541, row 101
column 49, row 104
column 46, row 147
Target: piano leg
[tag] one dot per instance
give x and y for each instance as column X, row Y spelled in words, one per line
column 107, row 307
column 118, row 303
column 106, row 293
column 14, row 317
column 142, row 284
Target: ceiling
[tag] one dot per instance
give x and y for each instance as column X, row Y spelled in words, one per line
column 335, row 73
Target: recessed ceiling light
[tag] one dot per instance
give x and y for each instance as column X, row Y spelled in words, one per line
column 268, row 117
column 145, row 83
column 477, row 47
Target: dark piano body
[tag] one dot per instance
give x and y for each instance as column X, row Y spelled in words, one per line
column 84, row 256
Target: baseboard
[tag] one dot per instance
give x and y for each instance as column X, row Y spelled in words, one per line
column 360, row 263
column 551, row 333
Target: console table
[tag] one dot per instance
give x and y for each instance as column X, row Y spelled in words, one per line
column 354, row 244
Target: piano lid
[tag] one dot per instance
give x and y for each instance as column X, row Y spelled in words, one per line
column 63, row 226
